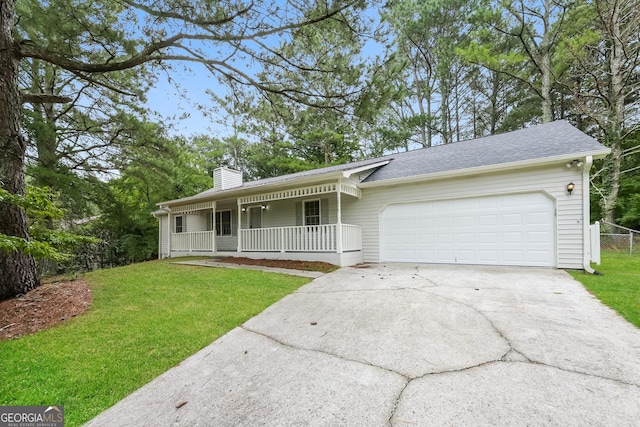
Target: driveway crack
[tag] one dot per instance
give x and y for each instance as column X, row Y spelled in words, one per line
column 285, row 344
column 586, row 374
column 481, row 313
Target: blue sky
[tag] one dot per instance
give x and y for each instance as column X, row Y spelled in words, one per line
column 185, row 104
column 178, row 103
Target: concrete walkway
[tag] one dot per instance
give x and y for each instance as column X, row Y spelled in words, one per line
column 409, row 345
column 217, row 264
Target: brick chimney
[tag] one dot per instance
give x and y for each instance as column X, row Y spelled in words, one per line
column 225, row 178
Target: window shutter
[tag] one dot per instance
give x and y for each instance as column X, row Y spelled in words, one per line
column 324, row 211
column 299, row 213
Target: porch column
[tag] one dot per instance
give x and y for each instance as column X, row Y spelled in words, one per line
column 214, row 249
column 339, row 225
column 239, row 226
column 169, row 235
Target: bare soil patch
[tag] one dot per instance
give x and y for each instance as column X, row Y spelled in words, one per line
column 43, row 307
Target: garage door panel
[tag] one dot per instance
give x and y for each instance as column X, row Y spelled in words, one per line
column 445, row 256
column 497, row 230
column 488, row 256
column 516, row 237
column 466, row 256
column 463, row 238
column 487, row 220
column 511, row 219
column 541, row 237
column 513, row 257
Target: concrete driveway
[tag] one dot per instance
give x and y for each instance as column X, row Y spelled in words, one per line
column 409, row 345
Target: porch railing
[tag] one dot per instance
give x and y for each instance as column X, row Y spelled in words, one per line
column 351, row 237
column 310, row 238
column 192, row 241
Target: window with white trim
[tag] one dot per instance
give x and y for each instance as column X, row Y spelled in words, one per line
column 179, row 224
column 223, row 223
column 311, row 211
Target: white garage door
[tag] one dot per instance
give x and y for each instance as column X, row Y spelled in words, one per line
column 514, row 229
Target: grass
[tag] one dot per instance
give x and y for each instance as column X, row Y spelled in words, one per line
column 144, row 319
column 619, row 288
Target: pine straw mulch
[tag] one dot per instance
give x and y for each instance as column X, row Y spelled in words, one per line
column 323, row 267
column 43, row 307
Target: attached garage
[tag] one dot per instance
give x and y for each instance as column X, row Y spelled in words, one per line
column 512, row 229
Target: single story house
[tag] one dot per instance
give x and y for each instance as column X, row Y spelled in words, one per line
column 519, row 198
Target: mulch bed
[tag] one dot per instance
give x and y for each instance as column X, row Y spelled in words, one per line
column 323, row 267
column 43, row 307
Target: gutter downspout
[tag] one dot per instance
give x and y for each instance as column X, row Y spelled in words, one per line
column 586, row 216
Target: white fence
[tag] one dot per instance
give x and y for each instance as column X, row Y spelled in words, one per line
column 310, row 238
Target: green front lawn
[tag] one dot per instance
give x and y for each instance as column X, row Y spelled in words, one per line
column 144, row 319
column 619, row 288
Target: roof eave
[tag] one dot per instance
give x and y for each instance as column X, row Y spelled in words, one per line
column 598, row 154
column 232, row 192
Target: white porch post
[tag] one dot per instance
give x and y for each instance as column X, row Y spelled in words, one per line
column 339, row 225
column 239, row 226
column 214, row 249
column 169, row 234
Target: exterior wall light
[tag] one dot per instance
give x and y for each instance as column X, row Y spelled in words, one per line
column 576, row 163
column 570, row 187
column 264, row 207
column 244, row 210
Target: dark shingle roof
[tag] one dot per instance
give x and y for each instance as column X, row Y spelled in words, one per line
column 558, row 138
column 554, row 139
column 293, row 176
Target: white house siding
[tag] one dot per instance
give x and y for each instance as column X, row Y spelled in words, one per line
column 196, row 221
column 282, row 213
column 553, row 180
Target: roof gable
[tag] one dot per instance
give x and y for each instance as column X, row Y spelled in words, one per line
column 548, row 140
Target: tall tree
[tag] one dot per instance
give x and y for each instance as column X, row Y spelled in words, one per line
column 218, row 35
column 536, row 27
column 426, row 35
column 607, row 83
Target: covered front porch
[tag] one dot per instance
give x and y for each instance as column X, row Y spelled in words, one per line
column 299, row 223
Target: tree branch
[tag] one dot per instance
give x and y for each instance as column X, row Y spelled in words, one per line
column 44, row 98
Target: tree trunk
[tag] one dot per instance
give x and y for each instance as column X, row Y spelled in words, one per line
column 18, row 273
column 547, row 114
column 419, row 95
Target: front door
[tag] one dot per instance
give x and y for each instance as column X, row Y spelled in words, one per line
column 255, row 217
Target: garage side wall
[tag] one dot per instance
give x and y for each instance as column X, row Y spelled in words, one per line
column 552, row 180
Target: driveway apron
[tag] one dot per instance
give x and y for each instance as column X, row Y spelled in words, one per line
column 409, row 345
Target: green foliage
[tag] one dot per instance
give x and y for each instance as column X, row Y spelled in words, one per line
column 127, row 231
column 45, row 243
column 144, row 319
